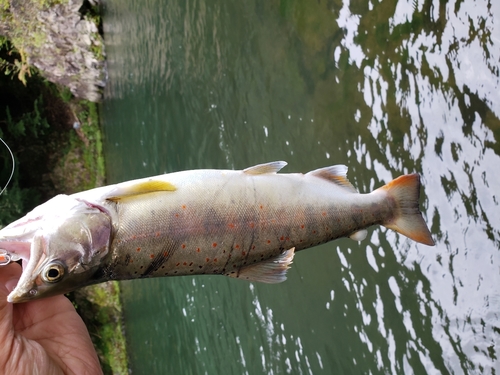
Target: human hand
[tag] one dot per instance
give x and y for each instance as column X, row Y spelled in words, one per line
column 45, row 336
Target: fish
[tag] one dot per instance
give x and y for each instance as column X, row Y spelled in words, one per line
column 245, row 224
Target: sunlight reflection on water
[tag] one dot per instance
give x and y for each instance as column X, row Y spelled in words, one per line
column 386, row 88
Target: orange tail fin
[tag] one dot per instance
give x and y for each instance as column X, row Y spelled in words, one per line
column 408, row 220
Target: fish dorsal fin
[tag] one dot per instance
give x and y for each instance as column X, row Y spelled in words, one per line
column 336, row 174
column 269, row 271
column 272, row 167
column 131, row 190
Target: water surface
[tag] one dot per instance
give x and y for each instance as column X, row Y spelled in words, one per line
column 386, row 88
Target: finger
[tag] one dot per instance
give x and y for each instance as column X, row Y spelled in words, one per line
column 9, row 276
column 8, row 279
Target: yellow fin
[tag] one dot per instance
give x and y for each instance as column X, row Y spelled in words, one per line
column 144, row 187
column 269, row 271
column 272, row 167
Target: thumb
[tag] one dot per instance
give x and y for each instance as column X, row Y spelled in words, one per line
column 9, row 275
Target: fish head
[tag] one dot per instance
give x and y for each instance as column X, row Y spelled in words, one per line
column 65, row 249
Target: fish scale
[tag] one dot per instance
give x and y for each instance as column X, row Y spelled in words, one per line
column 243, row 224
column 202, row 240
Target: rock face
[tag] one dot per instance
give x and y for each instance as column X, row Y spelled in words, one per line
column 62, row 43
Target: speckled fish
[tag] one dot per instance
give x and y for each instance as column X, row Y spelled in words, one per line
column 243, row 224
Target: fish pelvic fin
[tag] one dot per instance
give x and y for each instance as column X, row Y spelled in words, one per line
column 271, row 271
column 144, row 187
column 272, row 167
column 336, row 174
column 408, row 220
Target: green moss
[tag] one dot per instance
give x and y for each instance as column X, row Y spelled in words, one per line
column 58, row 149
column 100, row 306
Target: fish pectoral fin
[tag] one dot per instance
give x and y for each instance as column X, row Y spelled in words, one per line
column 270, row 271
column 272, row 167
column 144, row 187
column 336, row 174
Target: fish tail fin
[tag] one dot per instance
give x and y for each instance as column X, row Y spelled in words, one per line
column 407, row 220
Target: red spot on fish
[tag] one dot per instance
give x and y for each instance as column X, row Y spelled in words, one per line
column 152, row 256
column 207, row 259
column 261, row 207
column 268, row 241
column 176, row 215
column 253, row 247
column 134, row 237
column 236, row 246
column 314, row 231
column 302, row 226
column 282, row 238
column 183, row 206
column 243, row 253
column 252, row 225
column 165, row 253
column 138, row 250
column 214, row 244
column 184, row 264
column 323, row 213
column 177, row 265
column 183, row 246
column 215, row 260
column 157, row 234
column 230, row 225
column 198, row 249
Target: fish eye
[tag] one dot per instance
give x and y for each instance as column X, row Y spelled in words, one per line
column 53, row 273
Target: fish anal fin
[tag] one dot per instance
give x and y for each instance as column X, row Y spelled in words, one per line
column 407, row 220
column 336, row 174
column 272, row 167
column 144, row 187
column 270, row 271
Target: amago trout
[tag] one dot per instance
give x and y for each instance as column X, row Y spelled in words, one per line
column 243, row 224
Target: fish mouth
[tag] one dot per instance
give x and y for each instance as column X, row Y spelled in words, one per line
column 32, row 255
column 15, row 251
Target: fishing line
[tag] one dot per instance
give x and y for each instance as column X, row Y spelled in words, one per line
column 13, row 166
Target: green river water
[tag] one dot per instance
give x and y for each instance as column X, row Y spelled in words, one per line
column 385, row 87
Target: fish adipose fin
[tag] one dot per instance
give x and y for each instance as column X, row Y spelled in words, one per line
column 336, row 174
column 271, row 271
column 133, row 190
column 272, row 167
column 360, row 235
column 407, row 220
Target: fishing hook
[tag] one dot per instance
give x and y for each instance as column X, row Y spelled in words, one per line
column 13, row 166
